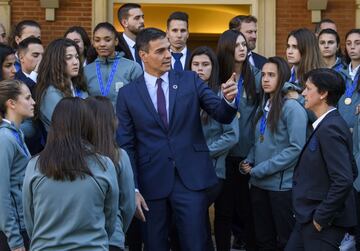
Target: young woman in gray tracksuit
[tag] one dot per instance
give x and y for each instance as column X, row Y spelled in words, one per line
column 110, row 71
column 351, row 98
column 70, row 193
column 280, row 135
column 105, row 143
column 16, row 104
column 60, row 75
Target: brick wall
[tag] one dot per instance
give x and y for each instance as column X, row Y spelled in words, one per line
column 69, row 13
column 294, row 14
column 290, row 15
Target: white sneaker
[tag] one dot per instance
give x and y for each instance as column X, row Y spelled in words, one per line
column 348, row 243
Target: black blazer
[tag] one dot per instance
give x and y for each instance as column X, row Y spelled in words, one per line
column 323, row 177
column 123, row 47
column 19, row 75
column 258, row 60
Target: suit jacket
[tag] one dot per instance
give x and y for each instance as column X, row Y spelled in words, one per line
column 123, row 47
column 324, row 174
column 156, row 152
column 187, row 60
column 19, row 75
column 258, row 60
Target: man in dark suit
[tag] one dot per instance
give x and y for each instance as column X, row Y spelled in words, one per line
column 30, row 52
column 131, row 18
column 323, row 197
column 178, row 33
column 160, row 128
column 247, row 25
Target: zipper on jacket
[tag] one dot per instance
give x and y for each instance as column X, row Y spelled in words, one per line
column 281, row 180
column 17, row 212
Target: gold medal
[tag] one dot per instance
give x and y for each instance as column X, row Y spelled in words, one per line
column 261, row 138
column 347, row 101
column 238, row 115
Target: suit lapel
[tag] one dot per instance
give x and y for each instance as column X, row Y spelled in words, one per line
column 332, row 113
column 187, row 60
column 173, row 87
column 144, row 94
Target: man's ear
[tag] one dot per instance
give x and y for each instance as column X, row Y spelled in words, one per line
column 143, row 55
column 124, row 22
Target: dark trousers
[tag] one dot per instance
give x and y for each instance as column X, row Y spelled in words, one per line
column 4, row 243
column 357, row 228
column 188, row 209
column 211, row 193
column 133, row 236
column 114, row 248
column 233, row 200
column 273, row 218
column 305, row 237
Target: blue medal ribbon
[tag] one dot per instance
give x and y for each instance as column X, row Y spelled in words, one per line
column 77, row 93
column 263, row 125
column 350, row 87
column 20, row 142
column 240, row 88
column 292, row 77
column 339, row 67
column 105, row 92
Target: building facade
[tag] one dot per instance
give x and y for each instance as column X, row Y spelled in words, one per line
column 276, row 18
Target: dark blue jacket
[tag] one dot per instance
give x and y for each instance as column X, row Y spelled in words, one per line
column 324, row 175
column 156, row 152
column 258, row 60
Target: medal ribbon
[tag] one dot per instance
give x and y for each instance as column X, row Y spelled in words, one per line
column 240, row 88
column 263, row 124
column 20, row 142
column 339, row 67
column 350, row 87
column 105, row 92
column 292, row 77
column 77, row 93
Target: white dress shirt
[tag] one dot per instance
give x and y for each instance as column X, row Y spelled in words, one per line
column 33, row 75
column 251, row 59
column 130, row 44
column 317, row 122
column 352, row 73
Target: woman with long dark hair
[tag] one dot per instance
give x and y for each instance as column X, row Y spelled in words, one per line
column 16, row 104
column 60, row 75
column 70, row 193
column 232, row 54
column 105, row 143
column 280, row 134
column 220, row 138
column 303, row 53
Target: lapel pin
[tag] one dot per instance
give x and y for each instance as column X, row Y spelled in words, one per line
column 175, row 87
